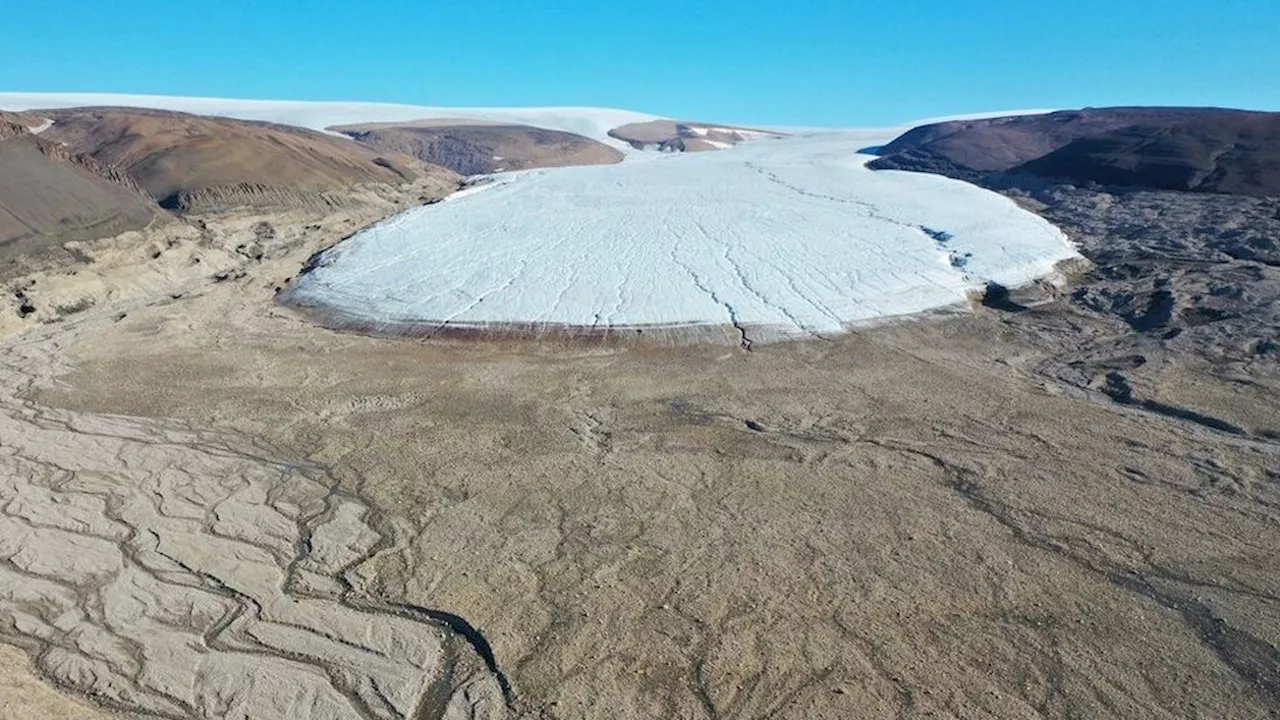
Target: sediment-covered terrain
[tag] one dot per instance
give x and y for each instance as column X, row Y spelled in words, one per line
column 158, row 569
column 928, row 518
column 1052, row 502
column 671, row 136
column 164, row 570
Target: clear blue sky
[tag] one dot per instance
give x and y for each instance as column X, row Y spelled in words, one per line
column 800, row 62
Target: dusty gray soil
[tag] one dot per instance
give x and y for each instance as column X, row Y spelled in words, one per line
column 162, row 572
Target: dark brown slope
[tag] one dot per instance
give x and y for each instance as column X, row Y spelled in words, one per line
column 190, row 162
column 1236, row 154
column 49, row 196
column 477, row 149
column 995, row 144
column 1203, row 149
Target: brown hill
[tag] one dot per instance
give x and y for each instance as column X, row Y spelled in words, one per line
column 1200, row 149
column 190, row 162
column 470, row 148
column 49, row 196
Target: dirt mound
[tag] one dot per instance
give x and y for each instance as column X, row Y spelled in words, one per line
column 1199, row 149
column 189, row 162
column 477, row 149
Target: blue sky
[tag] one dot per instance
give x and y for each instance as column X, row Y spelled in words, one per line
column 799, row 62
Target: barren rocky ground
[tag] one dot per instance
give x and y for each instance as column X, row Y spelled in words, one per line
column 213, row 507
column 85, row 174
column 1059, row 502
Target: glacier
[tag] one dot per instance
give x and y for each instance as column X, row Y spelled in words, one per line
column 780, row 238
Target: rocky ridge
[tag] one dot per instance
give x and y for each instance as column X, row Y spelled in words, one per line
column 478, row 149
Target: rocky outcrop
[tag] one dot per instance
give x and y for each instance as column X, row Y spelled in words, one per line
column 9, row 128
column 59, row 153
column 483, row 148
column 247, row 195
